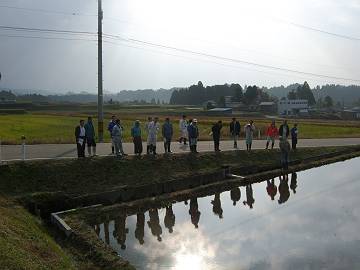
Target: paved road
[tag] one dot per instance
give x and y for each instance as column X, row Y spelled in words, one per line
column 44, row 151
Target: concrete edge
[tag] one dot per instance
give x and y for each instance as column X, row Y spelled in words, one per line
column 61, row 224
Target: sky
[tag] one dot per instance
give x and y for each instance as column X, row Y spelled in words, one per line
column 234, row 32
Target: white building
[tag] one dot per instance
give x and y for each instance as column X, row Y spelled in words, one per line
column 293, row 107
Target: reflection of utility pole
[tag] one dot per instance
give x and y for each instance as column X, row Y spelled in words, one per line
column 100, row 76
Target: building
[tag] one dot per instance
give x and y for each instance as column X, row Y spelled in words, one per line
column 219, row 111
column 293, row 107
column 267, row 107
column 352, row 114
column 229, row 103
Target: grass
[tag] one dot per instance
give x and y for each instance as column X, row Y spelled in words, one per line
column 24, row 244
column 59, row 127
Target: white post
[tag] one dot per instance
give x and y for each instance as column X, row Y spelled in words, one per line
column 23, row 147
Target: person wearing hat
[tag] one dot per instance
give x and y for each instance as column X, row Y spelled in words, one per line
column 136, row 135
column 193, row 135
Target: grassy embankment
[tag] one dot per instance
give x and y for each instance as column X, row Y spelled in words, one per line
column 59, row 127
column 26, row 244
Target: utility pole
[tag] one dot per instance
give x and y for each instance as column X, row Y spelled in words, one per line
column 100, row 76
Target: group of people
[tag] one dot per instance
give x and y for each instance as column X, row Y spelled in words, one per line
column 189, row 133
column 120, row 230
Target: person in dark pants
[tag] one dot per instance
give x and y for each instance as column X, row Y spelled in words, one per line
column 294, row 137
column 284, row 130
column 235, row 131
column 167, row 133
column 216, row 131
column 136, row 135
column 80, row 136
column 284, row 153
column 111, row 125
column 193, row 136
column 90, row 137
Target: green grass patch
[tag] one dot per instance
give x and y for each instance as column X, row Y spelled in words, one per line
column 59, row 127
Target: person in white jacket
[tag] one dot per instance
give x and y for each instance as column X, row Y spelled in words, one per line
column 116, row 134
column 153, row 129
column 147, row 125
column 183, row 125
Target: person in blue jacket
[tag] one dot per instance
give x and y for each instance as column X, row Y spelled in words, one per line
column 294, row 137
column 193, row 135
column 111, row 125
column 167, row 133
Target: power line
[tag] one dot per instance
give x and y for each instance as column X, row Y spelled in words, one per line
column 48, row 11
column 231, row 59
column 40, row 37
column 44, row 30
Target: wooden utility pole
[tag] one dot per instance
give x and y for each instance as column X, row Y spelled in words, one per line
column 100, row 76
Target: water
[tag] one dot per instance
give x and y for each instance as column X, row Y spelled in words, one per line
column 314, row 228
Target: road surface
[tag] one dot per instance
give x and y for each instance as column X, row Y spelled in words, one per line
column 51, row 151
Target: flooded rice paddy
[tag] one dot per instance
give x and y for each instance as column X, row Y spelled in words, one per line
column 309, row 221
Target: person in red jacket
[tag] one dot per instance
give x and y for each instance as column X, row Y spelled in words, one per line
column 271, row 134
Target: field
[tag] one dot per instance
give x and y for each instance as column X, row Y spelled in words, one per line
column 56, row 124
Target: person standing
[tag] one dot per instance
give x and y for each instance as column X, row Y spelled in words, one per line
column 183, row 125
column 284, row 130
column 284, row 153
column 271, row 133
column 235, row 131
column 294, row 136
column 80, row 135
column 167, row 133
column 249, row 134
column 136, row 135
column 216, row 132
column 271, row 188
column 147, row 128
column 117, row 133
column 90, row 136
column 111, row 125
column 152, row 135
column 193, row 136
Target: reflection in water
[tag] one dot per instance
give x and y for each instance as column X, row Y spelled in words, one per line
column 312, row 230
column 120, row 230
column 154, row 223
column 293, row 183
column 284, row 189
column 235, row 195
column 194, row 212
column 217, row 205
column 169, row 219
column 140, row 227
column 249, row 196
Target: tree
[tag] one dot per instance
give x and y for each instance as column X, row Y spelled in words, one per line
column 221, row 101
column 251, row 94
column 153, row 101
column 328, row 102
column 304, row 92
column 237, row 92
column 292, row 95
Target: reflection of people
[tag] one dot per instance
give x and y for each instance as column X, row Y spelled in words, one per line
column 169, row 219
column 120, row 230
column 249, row 197
column 284, row 189
column 140, row 224
column 154, row 223
column 284, row 153
column 217, row 205
column 271, row 189
column 106, row 231
column 293, row 183
column 97, row 229
column 194, row 212
column 235, row 195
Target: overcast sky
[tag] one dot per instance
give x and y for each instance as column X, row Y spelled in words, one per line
column 257, row 31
